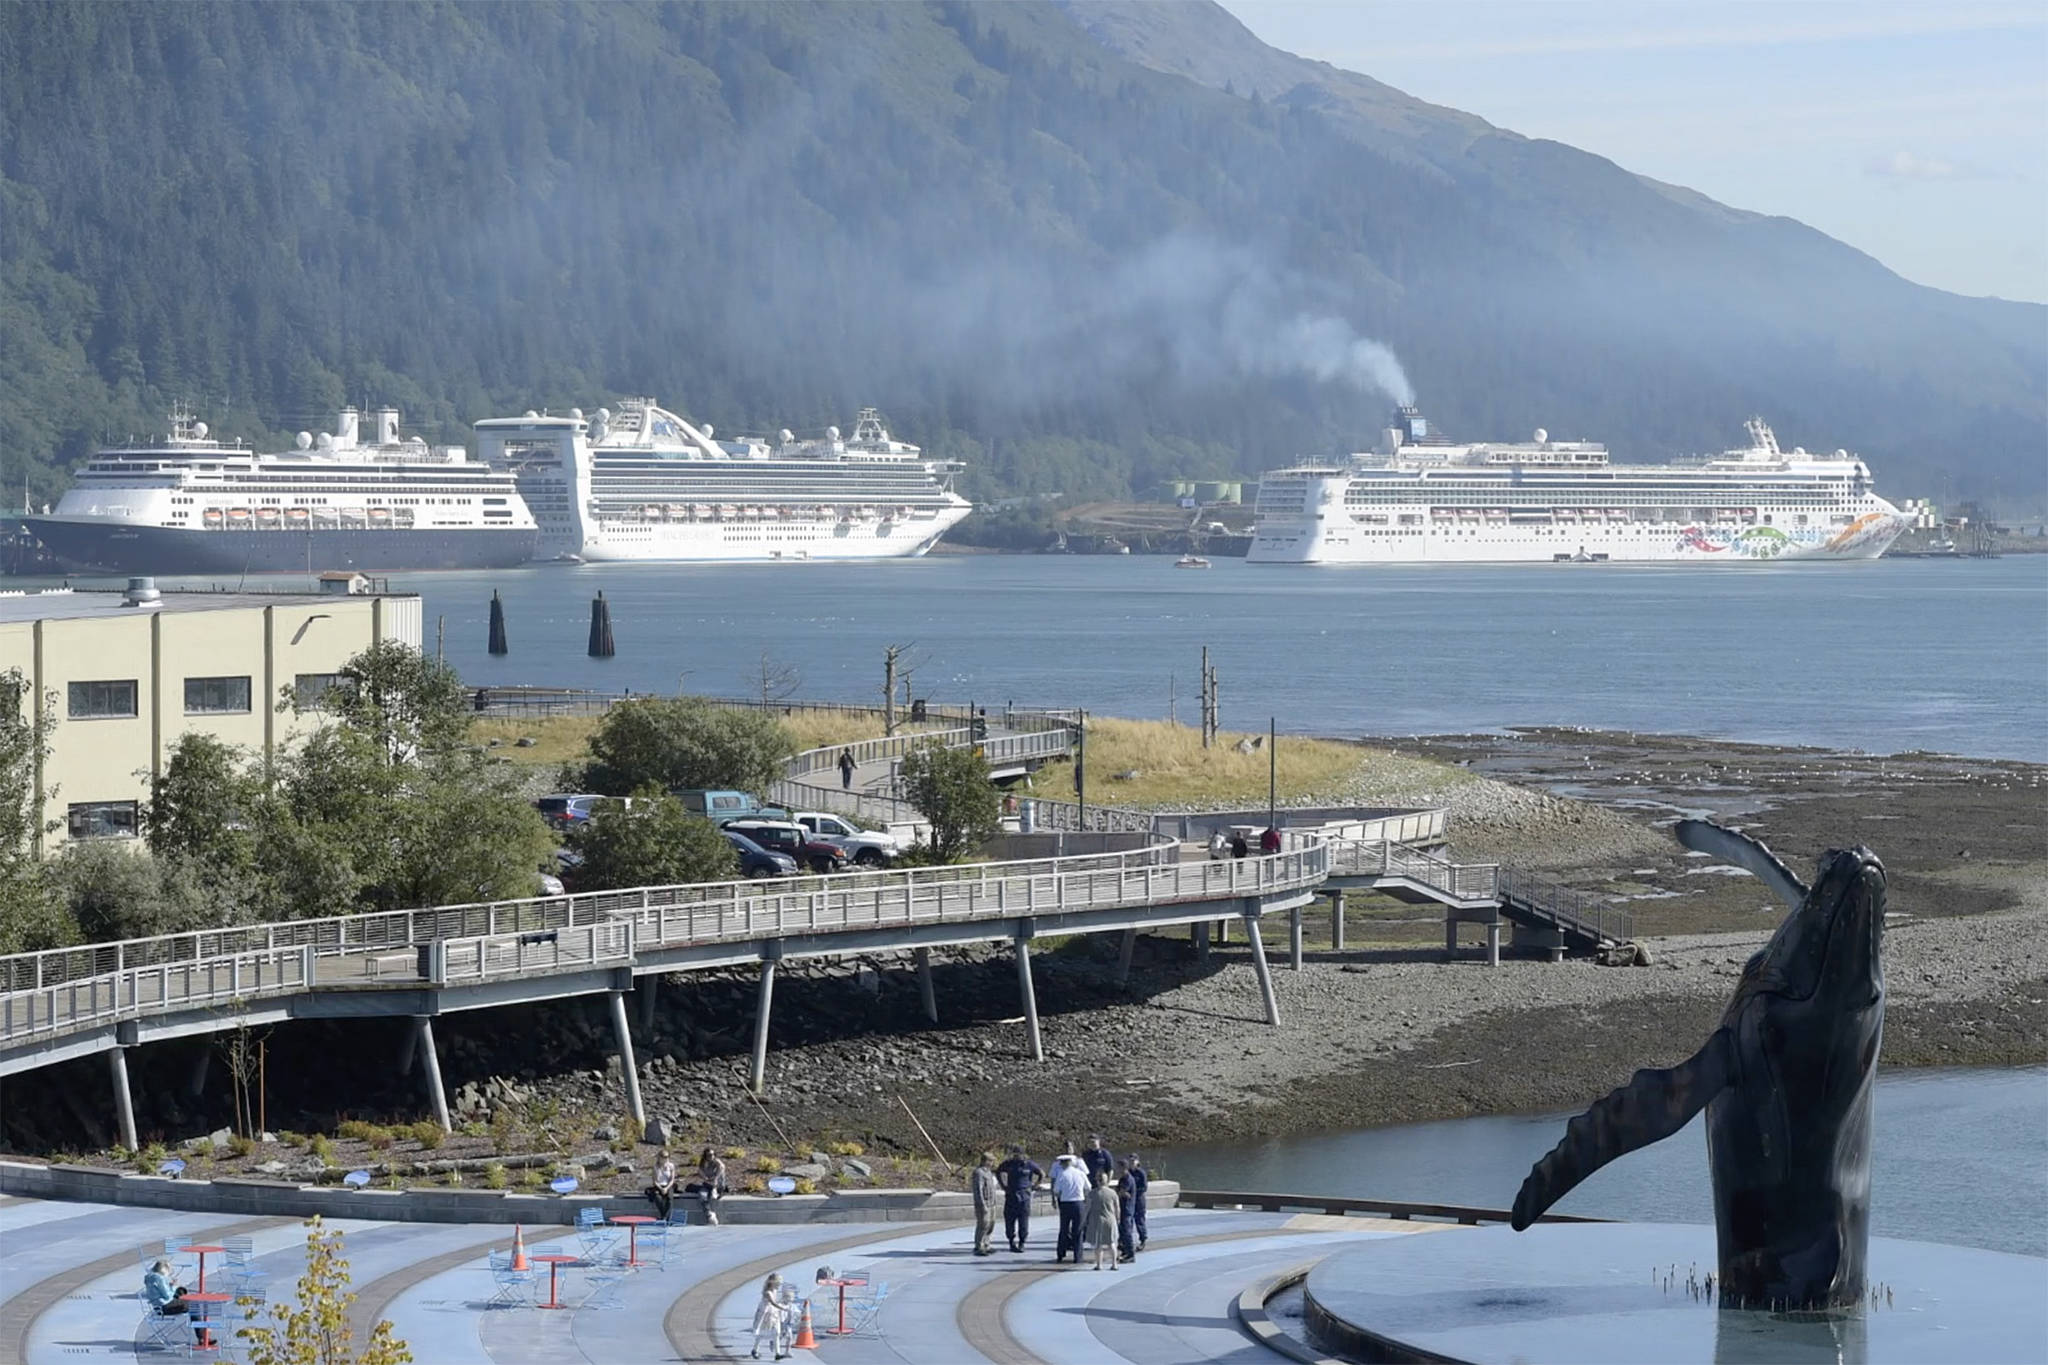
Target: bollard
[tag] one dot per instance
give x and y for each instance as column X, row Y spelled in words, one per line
column 601, row 646
column 497, row 642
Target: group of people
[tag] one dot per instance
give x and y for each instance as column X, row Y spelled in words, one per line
column 1234, row 845
column 708, row 1188
column 1100, row 1199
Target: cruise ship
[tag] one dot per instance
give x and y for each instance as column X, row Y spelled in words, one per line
column 1418, row 498
column 642, row 483
column 192, row 504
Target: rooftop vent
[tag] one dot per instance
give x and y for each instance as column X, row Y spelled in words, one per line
column 142, row 593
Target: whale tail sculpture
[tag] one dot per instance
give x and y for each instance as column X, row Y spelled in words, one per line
column 1785, row 1082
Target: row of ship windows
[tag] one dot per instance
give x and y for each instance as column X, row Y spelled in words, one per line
column 372, row 502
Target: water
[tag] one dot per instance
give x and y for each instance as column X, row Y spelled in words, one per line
column 1957, row 1156
column 1884, row 656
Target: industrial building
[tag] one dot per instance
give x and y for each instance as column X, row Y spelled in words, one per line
column 123, row 675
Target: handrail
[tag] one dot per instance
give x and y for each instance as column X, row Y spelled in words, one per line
column 1339, row 1205
column 1579, row 911
column 1386, row 858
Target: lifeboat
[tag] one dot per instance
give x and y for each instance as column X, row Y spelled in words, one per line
column 728, row 512
column 401, row 517
column 651, row 512
column 352, row 519
column 326, row 518
column 297, row 518
column 212, row 519
column 380, row 517
column 267, row 518
column 238, row 518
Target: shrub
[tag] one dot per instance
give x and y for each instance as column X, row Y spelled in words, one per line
column 631, row 1133
column 241, row 1146
column 532, row 1179
column 358, row 1130
column 427, row 1134
column 319, row 1146
column 847, row 1149
column 151, row 1157
column 768, row 1165
column 806, row 1186
column 734, row 1153
column 291, row 1139
column 495, row 1177
column 473, row 1129
column 504, row 1132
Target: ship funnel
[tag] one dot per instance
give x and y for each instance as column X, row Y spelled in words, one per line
column 345, row 428
column 387, row 426
column 142, row 593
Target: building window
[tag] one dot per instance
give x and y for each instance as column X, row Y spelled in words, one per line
column 311, row 689
column 98, row 700
column 101, row 819
column 216, row 696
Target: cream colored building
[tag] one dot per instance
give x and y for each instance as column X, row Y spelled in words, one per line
column 124, row 674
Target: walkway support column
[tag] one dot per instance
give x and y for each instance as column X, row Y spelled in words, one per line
column 124, row 1104
column 430, row 1062
column 1259, row 965
column 1493, row 943
column 925, row 994
column 1337, row 921
column 1450, row 935
column 1023, row 941
column 758, row 1077
column 1199, row 931
column 1124, row 952
column 1294, row 940
column 627, row 1069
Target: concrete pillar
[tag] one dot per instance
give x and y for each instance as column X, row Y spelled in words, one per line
column 124, row 1104
column 925, row 994
column 1337, row 921
column 1294, row 940
column 1123, row 958
column 648, row 989
column 1450, row 935
column 628, row 1070
column 1023, row 939
column 1258, row 947
column 200, row 1065
column 758, row 1077
column 1222, row 933
column 430, row 1062
column 1200, row 933
column 1493, row 943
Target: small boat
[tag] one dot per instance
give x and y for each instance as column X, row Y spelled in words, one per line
column 297, row 517
column 380, row 517
column 1191, row 562
column 212, row 519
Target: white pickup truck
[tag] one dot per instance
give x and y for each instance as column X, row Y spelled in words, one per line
column 867, row 847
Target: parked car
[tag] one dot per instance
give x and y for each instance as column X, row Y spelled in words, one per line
column 564, row 810
column 718, row 806
column 868, row 847
column 787, row 837
column 756, row 861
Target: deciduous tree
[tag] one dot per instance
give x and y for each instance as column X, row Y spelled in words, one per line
column 313, row 1329
column 951, row 789
column 673, row 743
column 655, row 843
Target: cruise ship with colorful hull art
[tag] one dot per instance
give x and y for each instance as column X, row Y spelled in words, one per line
column 1418, row 498
column 190, row 503
column 642, row 483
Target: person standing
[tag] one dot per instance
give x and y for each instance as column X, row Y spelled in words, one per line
column 1269, row 842
column 1103, row 1216
column 662, row 1192
column 768, row 1315
column 1219, row 845
column 1097, row 1158
column 1070, row 1192
column 1019, row 1176
column 1142, row 1180
column 846, row 767
column 1238, row 847
column 981, row 1182
column 1127, row 1211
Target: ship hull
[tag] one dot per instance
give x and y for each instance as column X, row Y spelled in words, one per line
column 95, row 546
column 1616, row 543
column 764, row 541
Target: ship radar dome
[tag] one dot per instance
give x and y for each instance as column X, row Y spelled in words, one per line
column 199, row 430
column 709, row 431
column 575, row 414
column 831, row 433
column 604, row 414
column 304, row 440
column 785, row 435
column 1541, row 436
column 1841, row 454
column 531, row 413
column 325, row 441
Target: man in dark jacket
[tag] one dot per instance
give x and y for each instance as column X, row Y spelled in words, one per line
column 1097, row 1158
column 1019, row 1175
column 1127, row 1187
column 1140, row 1181
column 1269, row 842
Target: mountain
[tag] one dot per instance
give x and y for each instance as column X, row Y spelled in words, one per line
column 1082, row 246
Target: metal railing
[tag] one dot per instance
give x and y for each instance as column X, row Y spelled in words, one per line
column 1340, row 1205
column 1384, row 858
column 1068, row 817
column 607, row 928
column 1581, row 912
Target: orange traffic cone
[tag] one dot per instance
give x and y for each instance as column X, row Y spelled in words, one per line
column 519, row 1261
column 804, row 1340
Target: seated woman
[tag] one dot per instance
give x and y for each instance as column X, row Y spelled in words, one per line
column 662, row 1192
column 168, row 1299
column 709, row 1184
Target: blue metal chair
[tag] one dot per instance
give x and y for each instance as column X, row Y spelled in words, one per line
column 163, row 1331
column 654, row 1244
column 596, row 1241
column 863, row 1320
column 241, row 1264
column 510, row 1288
column 605, row 1278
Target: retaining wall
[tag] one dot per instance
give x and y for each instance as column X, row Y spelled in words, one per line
column 277, row 1198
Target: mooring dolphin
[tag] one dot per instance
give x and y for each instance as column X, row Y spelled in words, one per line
column 1786, row 1084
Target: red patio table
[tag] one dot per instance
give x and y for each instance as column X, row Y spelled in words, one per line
column 206, row 1341
column 554, row 1261
column 842, row 1330
column 631, row 1222
column 203, row 1252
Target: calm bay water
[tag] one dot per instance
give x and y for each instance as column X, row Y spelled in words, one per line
column 1884, row 656
column 1958, row 1156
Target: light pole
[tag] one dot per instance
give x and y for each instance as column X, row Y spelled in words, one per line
column 1272, row 773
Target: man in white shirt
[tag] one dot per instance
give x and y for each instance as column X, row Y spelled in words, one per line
column 1070, row 1193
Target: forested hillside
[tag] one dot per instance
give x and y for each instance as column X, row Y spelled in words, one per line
column 1081, row 249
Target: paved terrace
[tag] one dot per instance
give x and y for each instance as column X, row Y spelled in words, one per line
column 69, row 1273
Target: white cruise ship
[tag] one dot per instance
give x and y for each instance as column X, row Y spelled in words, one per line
column 1421, row 499
column 643, row 483
column 192, row 504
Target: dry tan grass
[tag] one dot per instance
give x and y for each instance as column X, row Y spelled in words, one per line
column 1173, row 767
column 565, row 739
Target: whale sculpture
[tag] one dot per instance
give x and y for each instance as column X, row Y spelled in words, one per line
column 1786, row 1083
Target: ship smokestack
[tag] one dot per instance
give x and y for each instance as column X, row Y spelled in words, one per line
column 387, row 426
column 345, row 428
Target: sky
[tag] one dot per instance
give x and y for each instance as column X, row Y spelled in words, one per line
column 1916, row 131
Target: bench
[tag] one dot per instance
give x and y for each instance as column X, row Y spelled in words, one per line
column 407, row 961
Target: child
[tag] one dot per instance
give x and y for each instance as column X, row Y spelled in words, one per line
column 768, row 1318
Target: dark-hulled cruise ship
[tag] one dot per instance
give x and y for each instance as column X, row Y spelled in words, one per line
column 191, row 504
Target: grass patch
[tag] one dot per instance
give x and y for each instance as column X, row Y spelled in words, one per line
column 1173, row 767
column 846, row 1149
column 556, row 739
column 495, row 1177
column 427, row 1134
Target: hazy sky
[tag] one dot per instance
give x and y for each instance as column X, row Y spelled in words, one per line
column 1916, row 131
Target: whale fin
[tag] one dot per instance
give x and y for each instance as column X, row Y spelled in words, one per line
column 1701, row 836
column 1650, row 1108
